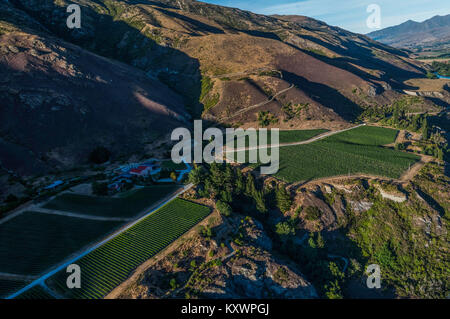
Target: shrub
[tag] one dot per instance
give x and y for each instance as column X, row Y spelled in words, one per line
column 224, row 208
column 284, row 228
column 281, row 275
column 284, row 201
column 312, row 213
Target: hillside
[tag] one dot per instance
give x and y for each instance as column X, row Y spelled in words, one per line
column 226, row 64
column 236, row 53
column 60, row 101
column 431, row 33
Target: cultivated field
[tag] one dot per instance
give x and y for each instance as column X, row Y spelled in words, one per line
column 299, row 135
column 127, row 206
column 106, row 267
column 356, row 151
column 37, row 292
column 32, row 242
column 9, row 286
column 290, row 136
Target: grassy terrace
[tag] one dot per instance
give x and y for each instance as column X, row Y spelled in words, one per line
column 358, row 151
column 32, row 242
column 106, row 267
column 127, row 206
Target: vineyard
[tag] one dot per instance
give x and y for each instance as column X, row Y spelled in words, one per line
column 107, row 266
column 289, row 136
column 127, row 206
column 8, row 286
column 298, row 135
column 357, row 151
column 32, row 242
column 37, row 292
column 351, row 152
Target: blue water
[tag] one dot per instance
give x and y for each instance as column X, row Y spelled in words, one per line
column 442, row 77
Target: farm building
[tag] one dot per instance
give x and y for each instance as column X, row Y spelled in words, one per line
column 142, row 170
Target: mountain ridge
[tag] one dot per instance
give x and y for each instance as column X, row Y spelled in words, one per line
column 414, row 35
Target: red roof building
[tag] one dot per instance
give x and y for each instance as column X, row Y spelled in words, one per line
column 141, row 170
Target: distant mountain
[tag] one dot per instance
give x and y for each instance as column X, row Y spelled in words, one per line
column 432, row 33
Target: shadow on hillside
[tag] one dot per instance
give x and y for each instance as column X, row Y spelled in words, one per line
column 127, row 42
column 197, row 25
column 366, row 59
column 325, row 95
column 439, row 102
column 430, row 200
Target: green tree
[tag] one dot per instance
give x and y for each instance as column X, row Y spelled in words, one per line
column 250, row 188
column 197, row 175
column 425, row 129
column 173, row 283
column 260, row 201
column 239, row 182
column 284, row 229
column 284, row 201
column 224, row 208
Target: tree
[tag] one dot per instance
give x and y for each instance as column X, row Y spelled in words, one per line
column 197, row 175
column 320, row 242
column 284, row 229
column 99, row 155
column 226, row 196
column 173, row 283
column 396, row 115
column 260, row 201
column 100, row 189
column 250, row 188
column 284, row 201
column 440, row 154
column 425, row 129
column 224, row 208
column 239, row 182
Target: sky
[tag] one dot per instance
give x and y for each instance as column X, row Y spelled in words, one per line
column 347, row 14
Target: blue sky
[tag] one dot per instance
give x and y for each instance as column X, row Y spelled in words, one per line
column 347, row 14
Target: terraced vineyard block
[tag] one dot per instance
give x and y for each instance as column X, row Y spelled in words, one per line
column 109, row 265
